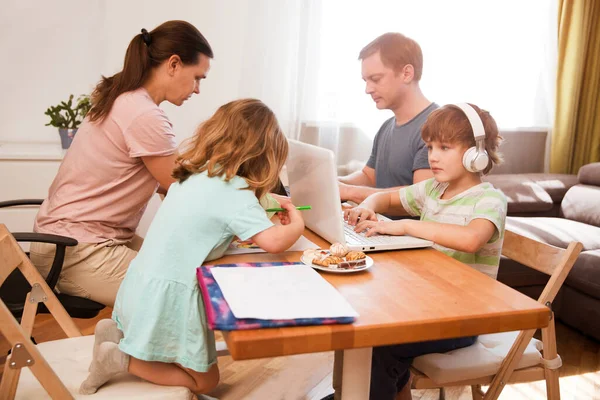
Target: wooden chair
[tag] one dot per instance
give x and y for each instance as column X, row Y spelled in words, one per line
column 468, row 367
column 61, row 365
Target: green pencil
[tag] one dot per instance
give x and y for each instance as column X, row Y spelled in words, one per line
column 283, row 209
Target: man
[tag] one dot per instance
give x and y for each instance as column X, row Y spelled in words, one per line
column 391, row 67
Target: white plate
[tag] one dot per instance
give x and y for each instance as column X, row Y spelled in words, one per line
column 337, row 270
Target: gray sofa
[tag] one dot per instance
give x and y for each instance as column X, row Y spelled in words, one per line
column 558, row 209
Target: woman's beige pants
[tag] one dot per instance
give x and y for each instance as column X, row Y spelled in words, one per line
column 91, row 270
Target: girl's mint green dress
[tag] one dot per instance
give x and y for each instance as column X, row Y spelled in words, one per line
column 159, row 306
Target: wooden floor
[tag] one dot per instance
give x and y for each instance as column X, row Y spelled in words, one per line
column 309, row 376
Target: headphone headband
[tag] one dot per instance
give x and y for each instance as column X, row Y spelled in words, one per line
column 475, row 158
column 474, row 119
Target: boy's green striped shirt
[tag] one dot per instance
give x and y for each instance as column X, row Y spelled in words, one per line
column 482, row 201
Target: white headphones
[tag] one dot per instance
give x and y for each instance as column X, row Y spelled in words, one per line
column 475, row 159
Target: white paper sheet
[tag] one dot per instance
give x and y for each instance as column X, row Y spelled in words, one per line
column 237, row 247
column 285, row 292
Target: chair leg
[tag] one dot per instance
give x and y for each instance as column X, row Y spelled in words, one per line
column 8, row 387
column 10, row 379
column 509, row 364
column 442, row 393
column 476, row 392
column 550, row 353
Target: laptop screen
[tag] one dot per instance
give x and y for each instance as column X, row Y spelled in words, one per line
column 313, row 181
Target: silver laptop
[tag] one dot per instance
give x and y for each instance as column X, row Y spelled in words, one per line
column 313, row 181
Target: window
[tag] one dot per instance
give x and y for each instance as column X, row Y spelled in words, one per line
column 499, row 55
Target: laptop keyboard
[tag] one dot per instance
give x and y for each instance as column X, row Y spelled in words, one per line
column 353, row 237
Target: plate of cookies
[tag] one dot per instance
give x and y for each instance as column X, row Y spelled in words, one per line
column 338, row 259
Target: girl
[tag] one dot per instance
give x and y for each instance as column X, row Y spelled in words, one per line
column 461, row 214
column 232, row 161
column 123, row 152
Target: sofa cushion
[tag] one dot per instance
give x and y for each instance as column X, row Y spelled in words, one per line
column 582, row 203
column 585, row 275
column 580, row 311
column 556, row 185
column 558, row 232
column 590, row 174
column 523, row 194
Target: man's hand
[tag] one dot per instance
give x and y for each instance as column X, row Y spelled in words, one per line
column 345, row 191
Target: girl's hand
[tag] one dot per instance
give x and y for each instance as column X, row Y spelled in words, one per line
column 381, row 227
column 361, row 213
column 290, row 215
column 279, row 238
column 284, row 218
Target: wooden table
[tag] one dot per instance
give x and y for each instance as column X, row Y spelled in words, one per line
column 407, row 296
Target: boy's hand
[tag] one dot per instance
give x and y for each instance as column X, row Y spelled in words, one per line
column 364, row 214
column 381, row 227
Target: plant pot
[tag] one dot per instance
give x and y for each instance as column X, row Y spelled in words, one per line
column 66, row 137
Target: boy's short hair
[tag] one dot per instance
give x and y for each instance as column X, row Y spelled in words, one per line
column 396, row 51
column 449, row 124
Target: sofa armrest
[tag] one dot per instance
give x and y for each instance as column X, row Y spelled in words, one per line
column 581, row 204
column 589, row 174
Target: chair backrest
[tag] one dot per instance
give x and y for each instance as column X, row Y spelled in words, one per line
column 552, row 261
column 544, row 258
column 24, row 352
column 9, row 259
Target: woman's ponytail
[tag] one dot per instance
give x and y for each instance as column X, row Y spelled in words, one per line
column 147, row 50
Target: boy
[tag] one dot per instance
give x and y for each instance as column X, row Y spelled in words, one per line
column 461, row 214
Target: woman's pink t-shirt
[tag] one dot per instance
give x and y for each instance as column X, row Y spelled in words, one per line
column 102, row 187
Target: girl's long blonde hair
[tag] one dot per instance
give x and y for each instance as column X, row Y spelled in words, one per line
column 242, row 138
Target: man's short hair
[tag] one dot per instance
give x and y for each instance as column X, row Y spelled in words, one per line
column 396, row 51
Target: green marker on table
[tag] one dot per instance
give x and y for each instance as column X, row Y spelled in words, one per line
column 300, row 208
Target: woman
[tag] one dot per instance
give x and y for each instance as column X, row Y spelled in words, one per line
column 123, row 152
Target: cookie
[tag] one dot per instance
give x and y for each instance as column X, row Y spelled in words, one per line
column 338, row 250
column 327, row 261
column 355, row 255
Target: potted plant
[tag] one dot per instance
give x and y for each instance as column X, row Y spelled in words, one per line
column 67, row 117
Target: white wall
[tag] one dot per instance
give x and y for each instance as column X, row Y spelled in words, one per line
column 52, row 49
column 44, row 59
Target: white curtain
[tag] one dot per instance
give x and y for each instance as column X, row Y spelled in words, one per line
column 498, row 54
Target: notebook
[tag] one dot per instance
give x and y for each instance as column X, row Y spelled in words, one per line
column 220, row 317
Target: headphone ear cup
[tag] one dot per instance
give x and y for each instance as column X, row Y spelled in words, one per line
column 474, row 161
column 481, row 162
column 468, row 157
